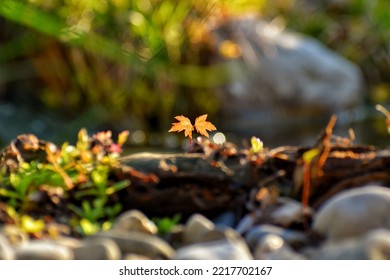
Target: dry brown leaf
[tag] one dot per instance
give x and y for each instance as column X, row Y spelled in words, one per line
column 202, row 125
column 183, row 124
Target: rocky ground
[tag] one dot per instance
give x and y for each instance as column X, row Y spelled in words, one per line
column 355, row 225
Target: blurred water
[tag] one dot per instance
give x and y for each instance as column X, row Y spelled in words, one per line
column 368, row 125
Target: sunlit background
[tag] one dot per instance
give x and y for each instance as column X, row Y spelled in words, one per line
column 134, row 65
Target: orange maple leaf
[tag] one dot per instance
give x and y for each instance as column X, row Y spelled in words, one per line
column 183, row 124
column 202, row 125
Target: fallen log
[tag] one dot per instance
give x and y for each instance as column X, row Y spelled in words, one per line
column 187, row 183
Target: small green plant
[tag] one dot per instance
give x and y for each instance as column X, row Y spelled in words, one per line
column 75, row 179
column 256, row 145
column 166, row 224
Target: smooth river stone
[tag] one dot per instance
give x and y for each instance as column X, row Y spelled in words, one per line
column 97, row 249
column 139, row 243
column 215, row 250
column 352, row 213
column 375, row 245
column 195, row 229
column 43, row 250
column 134, row 220
column 6, row 250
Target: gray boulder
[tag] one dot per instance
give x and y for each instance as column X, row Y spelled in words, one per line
column 281, row 74
column 353, row 213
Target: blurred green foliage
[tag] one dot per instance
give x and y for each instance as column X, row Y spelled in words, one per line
column 141, row 62
column 130, row 59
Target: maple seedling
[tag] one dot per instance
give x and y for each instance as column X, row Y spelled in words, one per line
column 201, row 126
